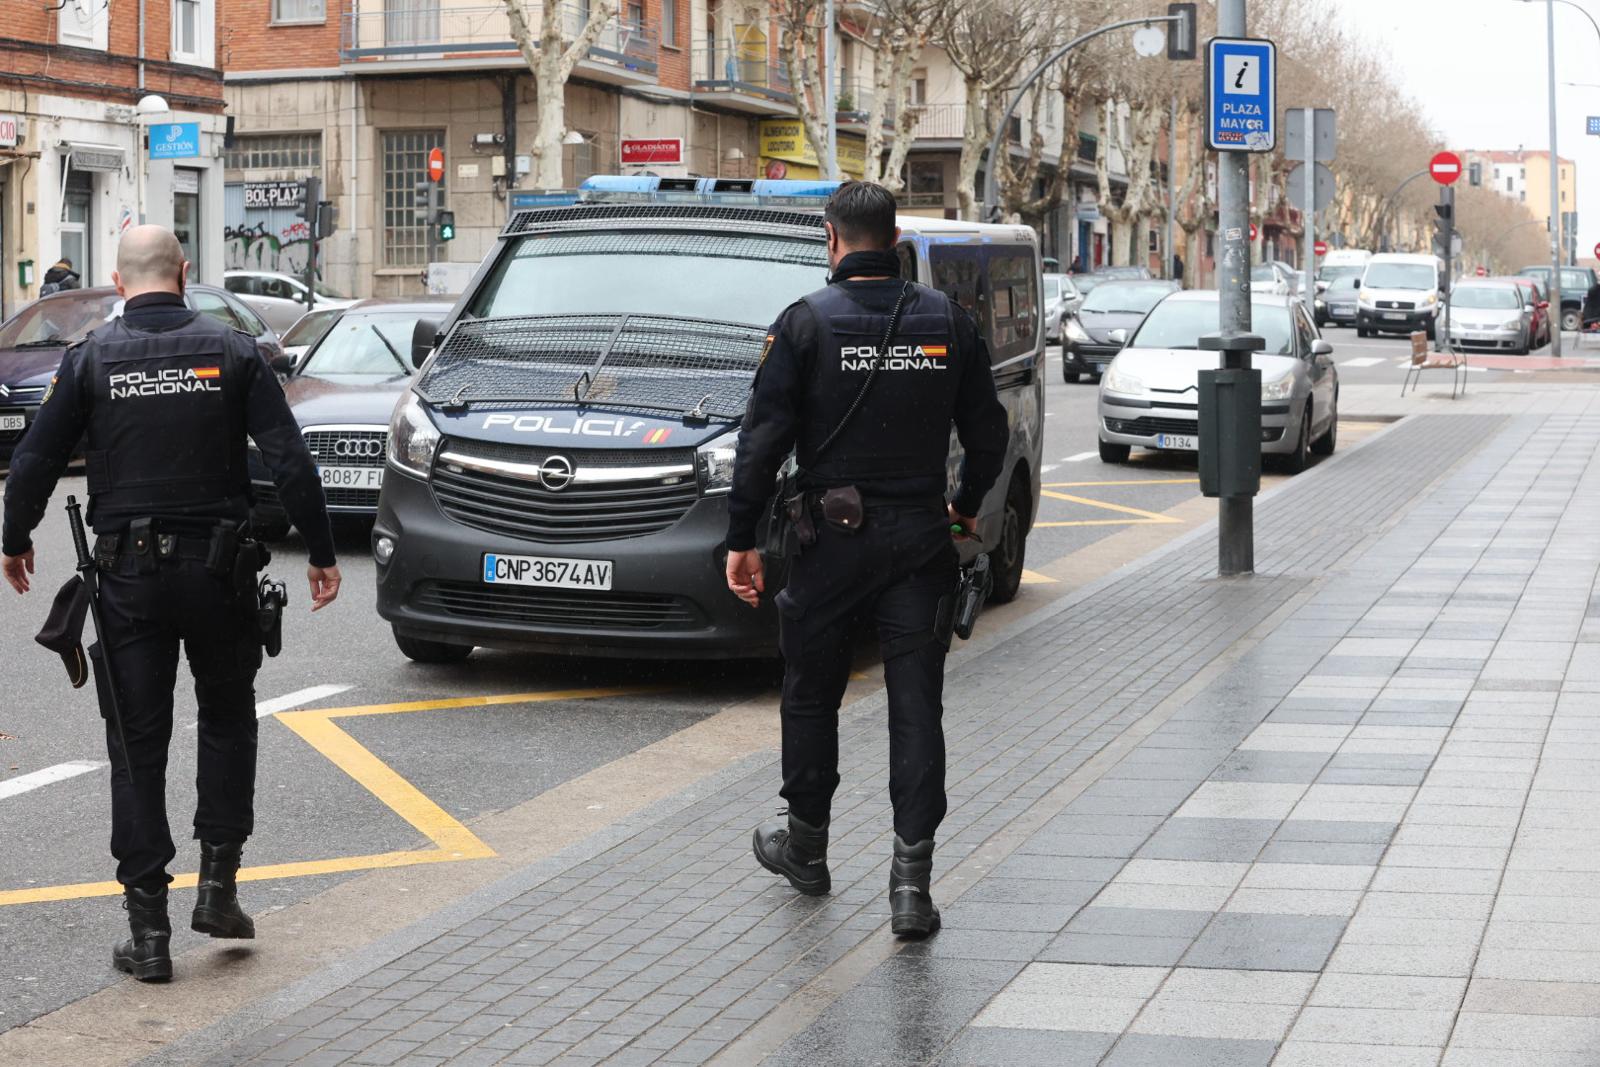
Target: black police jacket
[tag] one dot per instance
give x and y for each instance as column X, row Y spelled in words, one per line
column 166, row 398
column 896, row 447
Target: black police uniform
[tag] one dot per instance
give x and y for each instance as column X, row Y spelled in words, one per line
column 166, row 397
column 897, row 568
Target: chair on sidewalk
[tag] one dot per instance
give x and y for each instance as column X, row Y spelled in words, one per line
column 1454, row 361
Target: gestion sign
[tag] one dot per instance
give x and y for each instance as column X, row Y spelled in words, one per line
column 1241, row 94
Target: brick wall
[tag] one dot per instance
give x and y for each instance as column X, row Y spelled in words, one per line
column 247, row 39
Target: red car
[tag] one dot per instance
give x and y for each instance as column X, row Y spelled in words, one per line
column 1541, row 307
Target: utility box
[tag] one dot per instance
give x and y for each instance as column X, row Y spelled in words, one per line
column 1230, row 432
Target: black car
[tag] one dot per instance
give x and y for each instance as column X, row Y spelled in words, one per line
column 342, row 394
column 33, row 340
column 1112, row 305
column 1575, row 285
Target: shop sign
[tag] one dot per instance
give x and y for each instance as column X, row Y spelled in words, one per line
column 785, row 139
column 274, row 194
column 641, row 151
column 8, row 131
column 175, row 140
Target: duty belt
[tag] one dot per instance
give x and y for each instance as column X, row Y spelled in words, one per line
column 148, row 542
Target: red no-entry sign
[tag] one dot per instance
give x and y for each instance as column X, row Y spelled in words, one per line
column 1445, row 168
column 1253, row 231
column 1320, row 248
column 1597, row 251
column 435, row 164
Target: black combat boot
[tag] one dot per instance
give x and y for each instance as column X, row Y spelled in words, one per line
column 216, row 907
column 797, row 851
column 144, row 955
column 911, row 910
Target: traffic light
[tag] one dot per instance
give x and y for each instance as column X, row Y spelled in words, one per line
column 312, row 191
column 327, row 218
column 422, row 201
column 1444, row 227
column 447, row 225
column 1181, row 34
column 1475, row 173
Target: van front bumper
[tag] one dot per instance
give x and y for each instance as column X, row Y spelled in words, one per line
column 668, row 597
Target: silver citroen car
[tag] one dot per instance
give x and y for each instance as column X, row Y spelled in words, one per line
column 1149, row 394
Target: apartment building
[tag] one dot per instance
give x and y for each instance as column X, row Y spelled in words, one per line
column 80, row 158
column 1524, row 176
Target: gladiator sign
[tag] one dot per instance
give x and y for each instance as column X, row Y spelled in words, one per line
column 167, row 382
column 901, row 357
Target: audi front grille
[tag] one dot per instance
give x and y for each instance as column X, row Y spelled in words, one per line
column 610, row 496
column 355, row 447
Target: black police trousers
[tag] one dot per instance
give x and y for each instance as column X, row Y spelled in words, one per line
column 146, row 617
column 894, row 572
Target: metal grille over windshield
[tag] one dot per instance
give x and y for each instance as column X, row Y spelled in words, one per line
column 644, row 362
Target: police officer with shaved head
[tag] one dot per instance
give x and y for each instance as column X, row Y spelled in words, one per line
column 863, row 380
column 165, row 399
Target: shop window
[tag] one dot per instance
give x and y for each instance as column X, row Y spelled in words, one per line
column 405, row 164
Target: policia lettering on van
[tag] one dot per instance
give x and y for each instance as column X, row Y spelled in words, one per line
column 558, row 473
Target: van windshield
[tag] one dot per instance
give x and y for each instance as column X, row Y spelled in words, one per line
column 724, row 277
column 1400, row 276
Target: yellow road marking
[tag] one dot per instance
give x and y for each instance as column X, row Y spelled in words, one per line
column 451, row 840
column 1034, row 577
column 1142, row 516
column 1131, row 481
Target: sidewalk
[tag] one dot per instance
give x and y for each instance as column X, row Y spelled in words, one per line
column 1339, row 813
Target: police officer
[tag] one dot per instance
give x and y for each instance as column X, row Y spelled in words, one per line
column 166, row 397
column 892, row 564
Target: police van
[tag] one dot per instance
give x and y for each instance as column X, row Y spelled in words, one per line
column 559, row 467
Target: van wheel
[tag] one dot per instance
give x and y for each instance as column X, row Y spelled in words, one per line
column 1110, row 453
column 1362, row 331
column 1571, row 320
column 419, row 650
column 1068, row 376
column 1007, row 556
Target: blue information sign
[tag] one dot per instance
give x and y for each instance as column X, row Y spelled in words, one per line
column 1593, row 127
column 1241, row 94
column 521, row 201
column 175, row 140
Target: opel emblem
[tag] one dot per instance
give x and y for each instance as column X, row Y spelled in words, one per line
column 555, row 473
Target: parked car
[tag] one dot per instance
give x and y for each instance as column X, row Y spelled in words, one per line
column 1534, row 292
column 1489, row 315
column 1061, row 301
column 278, row 297
column 1275, row 277
column 1337, row 303
column 1147, row 396
column 1400, row 292
column 1330, row 274
column 342, row 395
column 1120, row 305
column 307, row 332
column 1127, row 273
column 1575, row 284
column 33, row 340
column 1084, row 282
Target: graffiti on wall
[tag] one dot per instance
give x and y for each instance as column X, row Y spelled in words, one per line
column 260, row 245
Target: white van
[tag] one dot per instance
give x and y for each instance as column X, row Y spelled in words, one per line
column 1346, row 257
column 1400, row 293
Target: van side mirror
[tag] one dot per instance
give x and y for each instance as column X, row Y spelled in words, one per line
column 1321, row 347
column 424, row 336
column 281, row 364
column 1118, row 337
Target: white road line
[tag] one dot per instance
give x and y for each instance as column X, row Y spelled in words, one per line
column 59, row 773
column 292, row 700
column 1047, row 468
column 1081, row 456
column 1364, row 361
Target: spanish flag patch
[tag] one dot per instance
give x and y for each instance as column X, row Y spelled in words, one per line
column 208, row 372
column 767, row 347
column 657, row 437
column 935, row 351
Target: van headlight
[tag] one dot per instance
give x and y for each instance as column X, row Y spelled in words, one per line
column 715, row 462
column 1282, row 389
column 1430, row 299
column 1076, row 333
column 1120, row 381
column 1365, row 296
column 413, row 438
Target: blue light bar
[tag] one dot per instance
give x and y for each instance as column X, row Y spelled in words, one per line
column 615, row 188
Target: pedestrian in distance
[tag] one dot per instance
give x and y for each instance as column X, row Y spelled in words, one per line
column 59, row 278
column 863, row 379
column 165, row 397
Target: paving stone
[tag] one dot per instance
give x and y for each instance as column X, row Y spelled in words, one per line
column 1147, row 1050
column 989, row 1045
column 1266, row 942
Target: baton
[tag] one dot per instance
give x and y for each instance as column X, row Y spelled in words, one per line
column 91, row 581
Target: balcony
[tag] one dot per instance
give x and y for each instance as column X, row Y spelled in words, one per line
column 423, row 35
column 746, row 74
column 947, row 122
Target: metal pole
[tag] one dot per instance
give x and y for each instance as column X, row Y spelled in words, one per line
column 1309, row 215
column 1555, row 187
column 1172, row 190
column 829, row 102
column 1235, row 514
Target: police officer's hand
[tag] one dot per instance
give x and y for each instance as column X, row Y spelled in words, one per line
column 17, row 569
column 968, row 524
column 745, row 576
column 324, row 586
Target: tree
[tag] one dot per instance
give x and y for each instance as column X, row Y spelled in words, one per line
column 804, row 29
column 899, row 32
column 551, row 56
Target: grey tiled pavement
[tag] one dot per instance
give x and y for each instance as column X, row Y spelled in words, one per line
column 1363, row 833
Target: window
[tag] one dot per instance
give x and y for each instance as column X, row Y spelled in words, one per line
column 212, row 304
column 1014, row 289
column 247, row 318
column 299, row 11
column 1305, row 331
column 275, row 151
column 919, row 88
column 405, row 163
column 188, row 31
column 669, row 23
column 1508, row 184
column 635, row 15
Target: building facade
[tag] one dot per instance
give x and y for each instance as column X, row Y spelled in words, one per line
column 80, row 160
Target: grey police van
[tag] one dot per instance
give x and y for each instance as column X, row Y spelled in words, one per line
column 558, row 469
